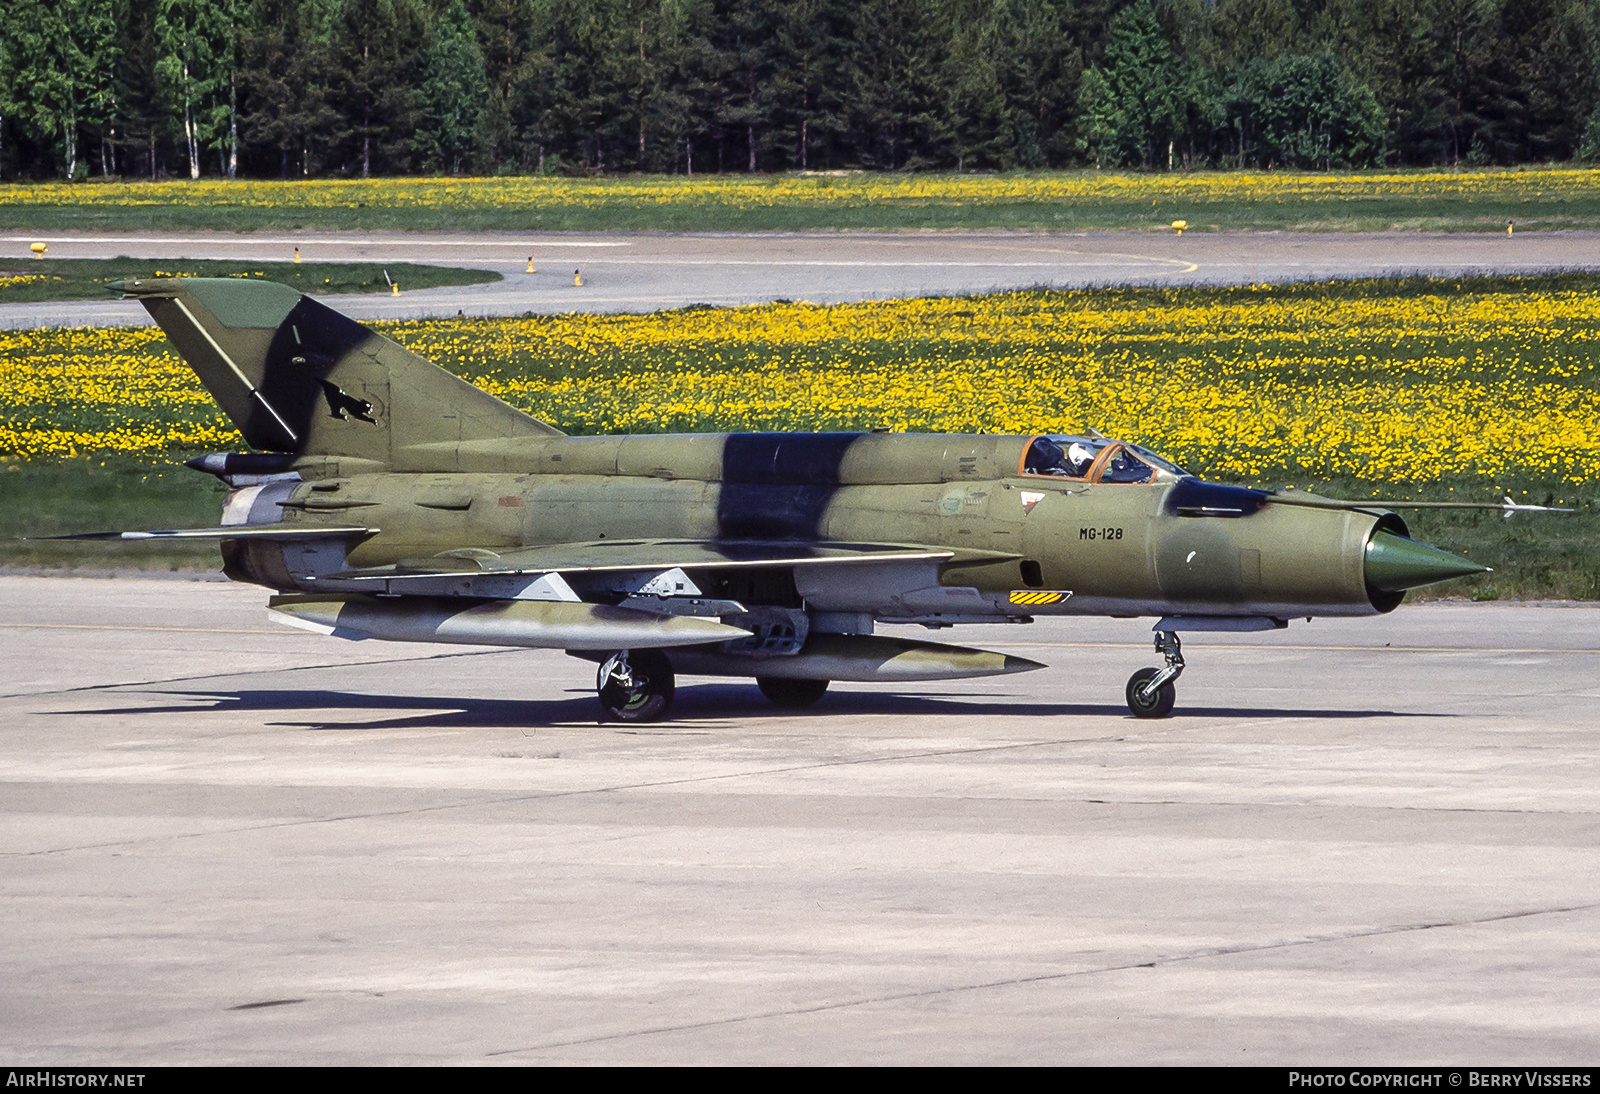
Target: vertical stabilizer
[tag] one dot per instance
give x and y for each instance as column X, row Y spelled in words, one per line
column 296, row 376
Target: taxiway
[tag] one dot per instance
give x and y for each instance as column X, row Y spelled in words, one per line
column 1371, row 841
column 644, row 272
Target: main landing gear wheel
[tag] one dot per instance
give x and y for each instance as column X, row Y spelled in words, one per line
column 791, row 694
column 636, row 686
column 1150, row 692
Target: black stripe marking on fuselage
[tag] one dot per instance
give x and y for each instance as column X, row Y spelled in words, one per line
column 778, row 485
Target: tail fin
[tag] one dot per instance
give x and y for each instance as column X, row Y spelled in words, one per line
column 296, row 376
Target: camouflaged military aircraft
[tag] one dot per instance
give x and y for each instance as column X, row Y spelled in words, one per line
column 389, row 499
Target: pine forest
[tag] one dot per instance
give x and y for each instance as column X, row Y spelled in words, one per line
column 361, row 88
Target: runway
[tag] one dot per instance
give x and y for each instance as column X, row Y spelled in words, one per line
column 1358, row 842
column 644, row 272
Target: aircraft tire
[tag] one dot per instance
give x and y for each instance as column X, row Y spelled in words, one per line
column 1157, row 706
column 791, row 694
column 651, row 694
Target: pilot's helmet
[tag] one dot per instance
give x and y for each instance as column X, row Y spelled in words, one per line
column 1080, row 456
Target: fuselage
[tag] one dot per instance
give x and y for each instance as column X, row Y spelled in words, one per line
column 1170, row 545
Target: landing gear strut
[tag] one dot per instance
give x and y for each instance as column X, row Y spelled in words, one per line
column 1150, row 691
column 636, row 686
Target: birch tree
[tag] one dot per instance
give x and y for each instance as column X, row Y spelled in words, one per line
column 59, row 59
column 195, row 38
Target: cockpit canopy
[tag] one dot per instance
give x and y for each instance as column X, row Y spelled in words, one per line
column 1095, row 459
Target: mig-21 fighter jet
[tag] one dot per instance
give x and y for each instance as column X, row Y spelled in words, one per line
column 388, row 499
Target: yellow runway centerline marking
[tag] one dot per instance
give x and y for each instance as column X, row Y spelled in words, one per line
column 1188, row 267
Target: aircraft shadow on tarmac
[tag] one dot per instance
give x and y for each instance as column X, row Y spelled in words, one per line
column 698, row 706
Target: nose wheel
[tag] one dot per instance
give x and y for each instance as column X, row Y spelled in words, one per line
column 636, row 686
column 1150, row 692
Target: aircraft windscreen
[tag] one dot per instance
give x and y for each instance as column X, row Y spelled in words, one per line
column 1160, row 461
column 1124, row 466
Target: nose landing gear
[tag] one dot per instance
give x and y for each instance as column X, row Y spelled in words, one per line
column 636, row 686
column 1150, row 692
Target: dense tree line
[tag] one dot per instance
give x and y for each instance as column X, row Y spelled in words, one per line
column 327, row 88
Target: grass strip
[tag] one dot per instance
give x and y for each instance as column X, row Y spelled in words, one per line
column 26, row 281
column 104, row 495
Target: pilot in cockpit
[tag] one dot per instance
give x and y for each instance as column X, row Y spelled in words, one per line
column 1046, row 457
column 1079, row 459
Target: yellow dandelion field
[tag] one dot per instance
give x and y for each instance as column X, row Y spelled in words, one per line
column 466, row 195
column 1390, row 382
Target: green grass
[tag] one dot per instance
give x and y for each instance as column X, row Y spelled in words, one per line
column 117, row 494
column 86, row 278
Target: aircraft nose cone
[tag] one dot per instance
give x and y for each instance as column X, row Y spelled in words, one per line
column 1395, row 563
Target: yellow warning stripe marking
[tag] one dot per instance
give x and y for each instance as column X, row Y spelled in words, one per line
column 1025, row 596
